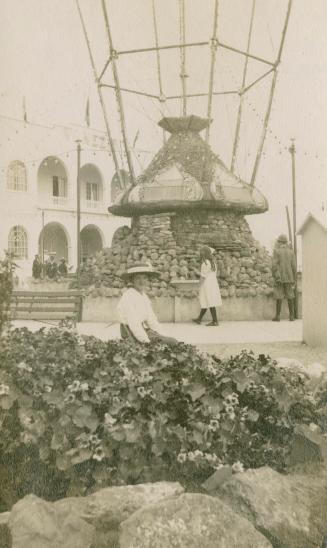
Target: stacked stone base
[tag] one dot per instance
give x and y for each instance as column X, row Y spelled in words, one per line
column 172, row 243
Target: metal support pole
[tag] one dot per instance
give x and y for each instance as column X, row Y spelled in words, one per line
column 214, row 45
column 292, row 151
column 42, row 243
column 78, row 213
column 183, row 74
column 272, row 89
column 240, row 107
column 113, row 55
column 102, row 103
column 290, row 236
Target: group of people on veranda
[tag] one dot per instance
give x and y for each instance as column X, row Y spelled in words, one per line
column 139, row 323
column 50, row 269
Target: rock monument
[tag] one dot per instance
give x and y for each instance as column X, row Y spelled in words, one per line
column 185, row 198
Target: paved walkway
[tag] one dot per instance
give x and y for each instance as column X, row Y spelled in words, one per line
column 225, row 333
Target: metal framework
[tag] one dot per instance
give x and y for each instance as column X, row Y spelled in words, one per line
column 240, row 107
column 272, row 89
column 118, row 92
column 103, row 106
column 183, row 74
column 214, row 44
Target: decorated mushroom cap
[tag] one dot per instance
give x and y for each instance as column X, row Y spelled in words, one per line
column 186, row 174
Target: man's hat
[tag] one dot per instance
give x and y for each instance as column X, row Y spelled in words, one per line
column 140, row 268
column 282, row 239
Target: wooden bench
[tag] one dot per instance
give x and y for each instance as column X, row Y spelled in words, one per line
column 46, row 305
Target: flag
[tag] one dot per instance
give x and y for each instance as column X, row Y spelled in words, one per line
column 87, row 112
column 24, row 110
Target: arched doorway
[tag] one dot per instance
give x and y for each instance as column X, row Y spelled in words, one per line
column 53, row 241
column 91, row 240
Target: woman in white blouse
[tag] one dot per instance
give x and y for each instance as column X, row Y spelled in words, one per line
column 209, row 295
column 137, row 319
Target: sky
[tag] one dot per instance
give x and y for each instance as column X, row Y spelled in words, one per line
column 43, row 57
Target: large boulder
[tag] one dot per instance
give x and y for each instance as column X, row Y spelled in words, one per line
column 190, row 520
column 36, row 523
column 84, row 521
column 289, row 510
column 114, row 504
column 5, row 535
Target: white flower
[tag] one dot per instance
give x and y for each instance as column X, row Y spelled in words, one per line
column 211, row 457
column 98, row 454
column 84, row 386
column 75, row 386
column 4, row 389
column 24, row 367
column 181, row 457
column 70, row 398
column 198, row 453
column 48, row 388
column 142, row 392
column 94, row 439
column 237, row 467
column 213, row 425
column 191, row 456
column 109, row 419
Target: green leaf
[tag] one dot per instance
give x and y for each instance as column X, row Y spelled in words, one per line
column 81, row 456
column 6, row 402
column 63, row 462
column 59, row 440
column 196, row 391
column 118, row 435
column 86, row 417
column 253, row 415
column 56, row 397
column 241, row 380
column 217, row 478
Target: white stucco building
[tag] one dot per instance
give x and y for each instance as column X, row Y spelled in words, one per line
column 314, row 279
column 38, row 191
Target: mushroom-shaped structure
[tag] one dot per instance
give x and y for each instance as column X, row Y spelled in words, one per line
column 185, row 175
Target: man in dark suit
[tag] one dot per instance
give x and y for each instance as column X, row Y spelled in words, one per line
column 284, row 273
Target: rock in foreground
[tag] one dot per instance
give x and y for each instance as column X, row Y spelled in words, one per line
column 289, row 510
column 189, row 521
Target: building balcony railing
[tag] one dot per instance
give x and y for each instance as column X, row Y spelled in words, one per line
column 59, row 201
column 63, row 202
column 97, row 206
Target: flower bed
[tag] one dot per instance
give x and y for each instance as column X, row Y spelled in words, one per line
column 77, row 413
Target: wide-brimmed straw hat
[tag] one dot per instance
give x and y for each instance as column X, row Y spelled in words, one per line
column 140, row 268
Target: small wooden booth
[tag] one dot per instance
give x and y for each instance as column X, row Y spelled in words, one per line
column 314, row 279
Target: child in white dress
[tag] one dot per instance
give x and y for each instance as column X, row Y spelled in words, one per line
column 209, row 295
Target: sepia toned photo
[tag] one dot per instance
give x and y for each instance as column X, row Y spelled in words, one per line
column 163, row 274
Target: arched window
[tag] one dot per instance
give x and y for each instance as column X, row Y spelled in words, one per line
column 17, row 242
column 16, row 176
